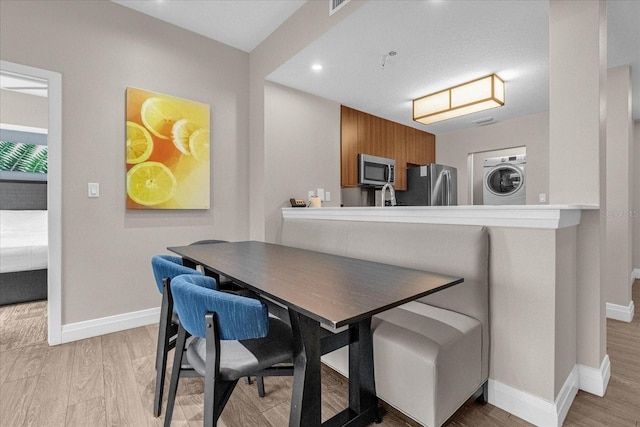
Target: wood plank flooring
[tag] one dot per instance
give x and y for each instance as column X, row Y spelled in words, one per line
column 109, row 381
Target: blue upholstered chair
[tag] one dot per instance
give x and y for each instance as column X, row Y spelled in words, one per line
column 224, row 284
column 233, row 337
column 165, row 268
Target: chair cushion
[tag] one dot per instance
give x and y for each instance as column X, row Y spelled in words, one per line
column 242, row 358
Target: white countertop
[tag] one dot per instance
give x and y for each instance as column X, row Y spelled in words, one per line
column 524, row 216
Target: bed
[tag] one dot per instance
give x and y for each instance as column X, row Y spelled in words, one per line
column 23, row 241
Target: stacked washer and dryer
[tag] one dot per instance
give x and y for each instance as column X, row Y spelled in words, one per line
column 504, row 180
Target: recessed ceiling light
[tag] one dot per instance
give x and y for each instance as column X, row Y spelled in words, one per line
column 316, row 67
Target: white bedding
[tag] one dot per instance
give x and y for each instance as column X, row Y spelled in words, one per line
column 23, row 240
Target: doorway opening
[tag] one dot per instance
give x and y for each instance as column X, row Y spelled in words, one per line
column 54, row 191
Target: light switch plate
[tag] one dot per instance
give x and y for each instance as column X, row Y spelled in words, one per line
column 327, row 196
column 320, row 194
column 93, row 189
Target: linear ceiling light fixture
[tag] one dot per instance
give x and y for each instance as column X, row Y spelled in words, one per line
column 477, row 95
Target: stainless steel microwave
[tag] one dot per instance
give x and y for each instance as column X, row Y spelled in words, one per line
column 376, row 171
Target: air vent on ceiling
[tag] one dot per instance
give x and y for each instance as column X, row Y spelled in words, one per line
column 483, row 122
column 335, row 5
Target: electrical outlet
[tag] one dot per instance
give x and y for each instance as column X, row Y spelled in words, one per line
column 542, row 198
column 327, row 196
column 310, row 194
column 320, row 194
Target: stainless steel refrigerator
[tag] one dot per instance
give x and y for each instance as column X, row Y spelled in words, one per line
column 430, row 185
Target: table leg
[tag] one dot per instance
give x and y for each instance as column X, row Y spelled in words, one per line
column 306, row 396
column 362, row 386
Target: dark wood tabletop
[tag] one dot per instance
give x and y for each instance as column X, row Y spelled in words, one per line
column 332, row 289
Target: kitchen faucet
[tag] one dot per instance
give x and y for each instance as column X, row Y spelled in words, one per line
column 384, row 193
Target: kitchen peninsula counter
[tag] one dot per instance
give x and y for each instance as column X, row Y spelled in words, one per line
column 525, row 216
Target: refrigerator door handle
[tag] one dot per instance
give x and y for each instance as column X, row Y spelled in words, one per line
column 447, row 187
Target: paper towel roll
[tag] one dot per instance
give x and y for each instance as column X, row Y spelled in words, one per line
column 315, row 202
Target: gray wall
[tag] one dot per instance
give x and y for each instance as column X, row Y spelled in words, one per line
column 303, row 27
column 22, row 109
column 619, row 183
column 302, row 150
column 100, row 48
column 577, row 90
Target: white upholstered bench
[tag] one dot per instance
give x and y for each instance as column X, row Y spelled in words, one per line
column 430, row 355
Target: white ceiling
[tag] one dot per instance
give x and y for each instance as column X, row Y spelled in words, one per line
column 241, row 24
column 439, row 43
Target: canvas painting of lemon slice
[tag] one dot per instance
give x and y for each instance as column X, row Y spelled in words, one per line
column 199, row 145
column 167, row 152
column 139, row 143
column 151, row 183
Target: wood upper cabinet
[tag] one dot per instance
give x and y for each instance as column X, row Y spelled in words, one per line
column 373, row 136
column 363, row 133
column 401, row 154
column 348, row 147
column 421, row 147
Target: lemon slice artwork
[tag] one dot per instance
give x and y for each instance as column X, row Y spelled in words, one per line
column 168, row 153
column 199, row 145
column 151, row 183
column 159, row 115
column 139, row 143
column 180, row 133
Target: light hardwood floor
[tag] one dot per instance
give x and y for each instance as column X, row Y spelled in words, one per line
column 109, row 381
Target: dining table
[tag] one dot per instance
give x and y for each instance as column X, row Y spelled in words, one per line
column 330, row 300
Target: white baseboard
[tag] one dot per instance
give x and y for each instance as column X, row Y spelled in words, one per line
column 534, row 409
column 106, row 325
column 593, row 380
column 567, row 395
column 621, row 312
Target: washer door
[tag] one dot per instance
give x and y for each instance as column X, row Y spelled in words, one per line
column 504, row 180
